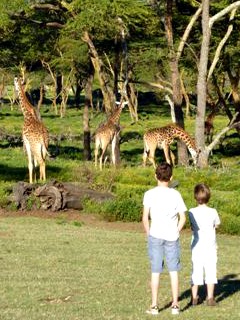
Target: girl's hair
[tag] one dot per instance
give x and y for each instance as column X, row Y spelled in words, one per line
column 202, row 193
column 164, row 172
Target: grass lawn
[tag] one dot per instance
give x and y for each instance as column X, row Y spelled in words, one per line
column 66, row 269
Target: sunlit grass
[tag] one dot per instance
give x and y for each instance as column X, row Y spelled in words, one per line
column 51, row 270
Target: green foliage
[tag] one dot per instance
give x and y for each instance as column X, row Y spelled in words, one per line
column 230, row 224
column 130, row 180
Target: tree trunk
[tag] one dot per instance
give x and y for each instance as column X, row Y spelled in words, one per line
column 202, row 87
column 78, row 94
column 55, row 196
column 176, row 82
column 107, row 91
column 58, row 88
column 86, row 127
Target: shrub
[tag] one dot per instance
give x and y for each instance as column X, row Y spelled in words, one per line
column 123, row 210
column 230, row 224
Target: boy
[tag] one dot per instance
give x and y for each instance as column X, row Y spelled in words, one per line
column 166, row 209
column 204, row 220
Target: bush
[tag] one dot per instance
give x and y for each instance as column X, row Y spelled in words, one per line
column 123, row 210
column 230, row 224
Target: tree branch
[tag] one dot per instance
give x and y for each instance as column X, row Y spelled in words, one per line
column 220, row 14
column 221, row 44
column 155, row 85
column 230, row 126
column 187, row 32
column 45, row 6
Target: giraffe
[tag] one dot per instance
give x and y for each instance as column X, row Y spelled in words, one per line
column 162, row 138
column 34, row 133
column 209, row 127
column 108, row 133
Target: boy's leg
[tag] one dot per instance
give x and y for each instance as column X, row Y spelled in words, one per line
column 155, row 250
column 195, row 298
column 174, row 286
column 154, row 287
column 172, row 253
column 197, row 273
column 210, row 290
column 210, row 267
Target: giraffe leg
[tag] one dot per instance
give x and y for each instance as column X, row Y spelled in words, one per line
column 96, row 156
column 172, row 156
column 30, row 170
column 149, row 153
column 146, row 153
column 35, row 164
column 102, row 156
column 105, row 160
column 30, row 160
column 166, row 150
column 96, row 153
column 114, row 141
column 152, row 159
column 42, row 168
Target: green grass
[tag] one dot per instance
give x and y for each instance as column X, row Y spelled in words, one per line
column 52, row 269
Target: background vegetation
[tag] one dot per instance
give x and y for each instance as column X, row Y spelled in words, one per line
column 130, row 180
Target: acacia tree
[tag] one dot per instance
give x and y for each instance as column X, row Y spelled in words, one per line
column 202, row 64
column 173, row 85
column 207, row 24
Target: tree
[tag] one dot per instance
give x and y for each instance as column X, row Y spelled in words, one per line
column 207, row 24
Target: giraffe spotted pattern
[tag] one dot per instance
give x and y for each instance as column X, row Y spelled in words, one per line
column 107, row 134
column 35, row 135
column 162, row 138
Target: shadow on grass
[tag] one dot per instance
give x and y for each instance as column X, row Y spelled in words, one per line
column 8, row 173
column 226, row 287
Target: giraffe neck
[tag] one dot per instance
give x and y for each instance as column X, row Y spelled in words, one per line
column 27, row 108
column 190, row 143
column 115, row 116
column 210, row 118
column 179, row 133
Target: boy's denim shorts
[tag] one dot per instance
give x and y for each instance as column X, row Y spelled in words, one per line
column 160, row 250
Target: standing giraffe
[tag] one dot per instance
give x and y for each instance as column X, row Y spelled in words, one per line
column 208, row 126
column 106, row 134
column 162, row 138
column 35, row 135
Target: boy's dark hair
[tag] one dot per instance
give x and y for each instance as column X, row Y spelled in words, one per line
column 164, row 172
column 202, row 193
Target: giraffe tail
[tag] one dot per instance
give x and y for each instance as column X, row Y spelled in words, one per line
column 146, row 148
column 45, row 153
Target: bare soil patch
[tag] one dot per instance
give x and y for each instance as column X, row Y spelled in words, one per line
column 91, row 220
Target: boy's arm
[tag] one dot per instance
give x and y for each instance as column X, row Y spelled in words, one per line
column 181, row 221
column 217, row 221
column 145, row 219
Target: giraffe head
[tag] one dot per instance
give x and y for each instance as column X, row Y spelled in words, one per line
column 120, row 105
column 17, row 83
column 194, row 151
